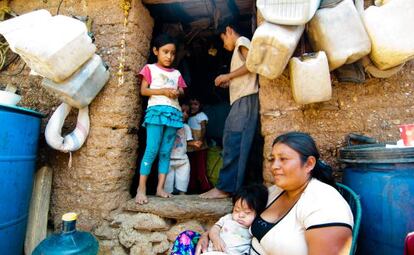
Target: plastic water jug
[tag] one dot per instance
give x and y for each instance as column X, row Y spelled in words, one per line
column 82, row 87
column 69, row 241
column 14, row 29
column 271, row 48
column 310, row 79
column 293, row 12
column 56, row 49
column 339, row 32
column 390, row 28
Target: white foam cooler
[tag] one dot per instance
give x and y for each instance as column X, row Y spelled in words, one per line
column 271, row 48
column 340, row 32
column 310, row 79
column 14, row 29
column 391, row 29
column 291, row 12
column 83, row 86
column 56, row 49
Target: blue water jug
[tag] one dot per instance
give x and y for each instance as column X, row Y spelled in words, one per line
column 69, row 241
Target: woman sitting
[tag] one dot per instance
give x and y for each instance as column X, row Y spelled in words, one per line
column 305, row 213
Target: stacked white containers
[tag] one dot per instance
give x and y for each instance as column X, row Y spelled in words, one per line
column 56, row 49
column 339, row 32
column 271, row 48
column 310, row 79
column 288, row 12
column 391, row 29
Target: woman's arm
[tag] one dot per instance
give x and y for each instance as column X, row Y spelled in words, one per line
column 146, row 91
column 335, row 240
column 202, row 244
column 203, row 125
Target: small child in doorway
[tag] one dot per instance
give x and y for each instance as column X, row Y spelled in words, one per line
column 231, row 233
column 179, row 173
column 163, row 117
column 198, row 157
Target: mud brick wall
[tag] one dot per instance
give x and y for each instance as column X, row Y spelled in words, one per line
column 102, row 169
column 374, row 108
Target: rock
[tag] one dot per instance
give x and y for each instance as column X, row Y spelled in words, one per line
column 183, row 207
column 142, row 249
column 189, row 225
column 141, row 221
column 105, row 232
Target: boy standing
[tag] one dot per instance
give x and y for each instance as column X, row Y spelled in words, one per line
column 241, row 122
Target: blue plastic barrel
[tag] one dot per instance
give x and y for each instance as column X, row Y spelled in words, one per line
column 384, row 179
column 19, row 134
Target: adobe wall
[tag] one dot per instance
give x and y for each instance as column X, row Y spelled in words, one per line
column 102, row 169
column 374, row 108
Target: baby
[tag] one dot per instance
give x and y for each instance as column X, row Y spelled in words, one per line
column 231, row 233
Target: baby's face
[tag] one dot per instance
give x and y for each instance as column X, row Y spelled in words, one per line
column 243, row 214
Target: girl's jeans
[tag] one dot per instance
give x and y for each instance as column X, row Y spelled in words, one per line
column 159, row 138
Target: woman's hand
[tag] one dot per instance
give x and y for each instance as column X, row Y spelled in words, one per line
column 202, row 244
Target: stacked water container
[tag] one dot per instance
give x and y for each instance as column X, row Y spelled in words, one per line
column 275, row 41
column 59, row 49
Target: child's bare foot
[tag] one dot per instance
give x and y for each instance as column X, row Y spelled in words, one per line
column 163, row 193
column 141, row 198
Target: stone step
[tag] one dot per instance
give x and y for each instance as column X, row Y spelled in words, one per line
column 183, row 207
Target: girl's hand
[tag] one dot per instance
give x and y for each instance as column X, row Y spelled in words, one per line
column 171, row 93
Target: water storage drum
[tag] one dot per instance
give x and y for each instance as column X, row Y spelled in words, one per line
column 384, row 179
column 19, row 134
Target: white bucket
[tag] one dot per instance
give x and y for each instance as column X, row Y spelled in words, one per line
column 271, row 47
column 292, row 12
column 391, row 29
column 310, row 79
column 339, row 32
column 83, row 86
column 56, row 49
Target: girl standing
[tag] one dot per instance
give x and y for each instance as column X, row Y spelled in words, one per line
column 162, row 84
column 198, row 156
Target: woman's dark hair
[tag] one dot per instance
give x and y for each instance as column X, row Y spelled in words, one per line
column 304, row 144
column 163, row 39
column 221, row 29
column 254, row 195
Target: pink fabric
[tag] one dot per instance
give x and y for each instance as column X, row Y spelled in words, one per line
column 146, row 74
column 181, row 82
column 409, row 244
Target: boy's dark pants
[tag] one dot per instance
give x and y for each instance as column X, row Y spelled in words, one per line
column 238, row 135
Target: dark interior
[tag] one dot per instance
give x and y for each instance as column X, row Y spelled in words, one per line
column 200, row 58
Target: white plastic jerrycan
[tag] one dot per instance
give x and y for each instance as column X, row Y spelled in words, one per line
column 310, row 79
column 56, row 49
column 14, row 29
column 271, row 48
column 391, row 29
column 83, row 86
column 292, row 12
column 339, row 32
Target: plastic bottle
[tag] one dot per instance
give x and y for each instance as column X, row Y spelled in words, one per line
column 69, row 241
